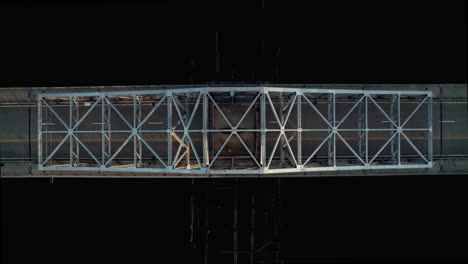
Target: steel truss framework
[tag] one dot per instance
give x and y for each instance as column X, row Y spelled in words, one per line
column 186, row 116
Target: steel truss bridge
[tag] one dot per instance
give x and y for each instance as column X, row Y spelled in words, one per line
column 235, row 130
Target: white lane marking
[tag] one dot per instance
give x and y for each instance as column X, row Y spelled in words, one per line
column 386, row 121
column 447, row 121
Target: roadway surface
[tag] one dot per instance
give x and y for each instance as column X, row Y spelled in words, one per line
column 18, row 132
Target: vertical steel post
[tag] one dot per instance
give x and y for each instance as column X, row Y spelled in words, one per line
column 186, row 120
column 138, row 122
column 46, row 141
column 441, row 127
column 330, row 120
column 263, row 129
column 393, row 115
column 107, row 129
column 134, row 134
column 399, row 126
column 359, row 132
column 367, row 131
column 282, row 135
column 299, row 129
column 103, row 127
column 169, row 129
column 70, row 125
column 361, row 129
column 39, row 132
column 334, row 128
column 206, row 159
column 429, row 134
column 76, row 115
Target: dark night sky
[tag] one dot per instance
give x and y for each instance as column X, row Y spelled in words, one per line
column 170, row 42
column 414, row 218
